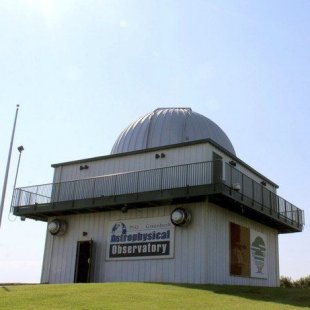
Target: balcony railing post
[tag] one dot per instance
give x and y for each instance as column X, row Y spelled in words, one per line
column 209, row 173
column 19, row 197
column 242, row 186
column 253, row 192
column 186, row 180
column 29, row 198
column 58, row 192
column 36, row 194
column 262, row 196
column 94, row 187
column 231, row 171
column 138, row 176
column 292, row 214
column 115, row 185
column 297, row 217
column 73, row 192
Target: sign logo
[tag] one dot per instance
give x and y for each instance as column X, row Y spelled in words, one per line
column 140, row 239
column 119, row 229
column 258, row 252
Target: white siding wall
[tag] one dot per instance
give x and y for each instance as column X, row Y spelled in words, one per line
column 243, row 169
column 143, row 161
column 174, row 156
column 201, row 250
column 218, row 265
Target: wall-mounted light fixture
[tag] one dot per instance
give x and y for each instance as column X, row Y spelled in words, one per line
column 84, row 167
column 20, row 149
column 161, row 155
column 236, row 187
column 124, row 209
column 180, row 217
column 85, row 233
column 57, row 227
column 232, row 163
column 263, row 183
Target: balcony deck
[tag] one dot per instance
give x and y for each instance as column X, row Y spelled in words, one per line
column 177, row 184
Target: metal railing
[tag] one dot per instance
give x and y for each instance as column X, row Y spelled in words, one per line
column 116, row 184
column 259, row 194
column 160, row 179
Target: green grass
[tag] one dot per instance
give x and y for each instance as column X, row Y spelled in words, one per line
column 150, row 296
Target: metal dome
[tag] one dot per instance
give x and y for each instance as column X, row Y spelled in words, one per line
column 166, row 126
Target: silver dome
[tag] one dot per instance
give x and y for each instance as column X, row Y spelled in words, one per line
column 166, row 126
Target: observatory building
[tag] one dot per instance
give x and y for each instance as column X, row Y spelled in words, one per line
column 171, row 203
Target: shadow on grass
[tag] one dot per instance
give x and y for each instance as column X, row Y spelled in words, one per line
column 287, row 296
column 5, row 288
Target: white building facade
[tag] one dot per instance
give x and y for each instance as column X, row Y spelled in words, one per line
column 172, row 203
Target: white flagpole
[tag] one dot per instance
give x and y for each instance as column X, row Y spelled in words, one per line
column 8, row 167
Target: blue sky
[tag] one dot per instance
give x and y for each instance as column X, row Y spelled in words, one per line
column 83, row 70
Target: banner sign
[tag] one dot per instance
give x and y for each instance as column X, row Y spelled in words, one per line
column 146, row 238
column 248, row 252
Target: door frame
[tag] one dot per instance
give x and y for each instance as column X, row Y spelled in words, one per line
column 77, row 260
column 217, row 169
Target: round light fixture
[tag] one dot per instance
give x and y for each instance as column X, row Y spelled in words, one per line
column 180, row 217
column 57, row 227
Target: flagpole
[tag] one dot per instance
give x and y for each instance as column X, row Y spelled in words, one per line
column 8, row 166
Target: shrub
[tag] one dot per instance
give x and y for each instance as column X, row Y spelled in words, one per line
column 303, row 282
column 300, row 283
column 286, row 282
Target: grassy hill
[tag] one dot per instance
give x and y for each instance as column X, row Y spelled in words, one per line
column 150, row 296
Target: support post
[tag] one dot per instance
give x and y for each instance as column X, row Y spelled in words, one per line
column 8, row 166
